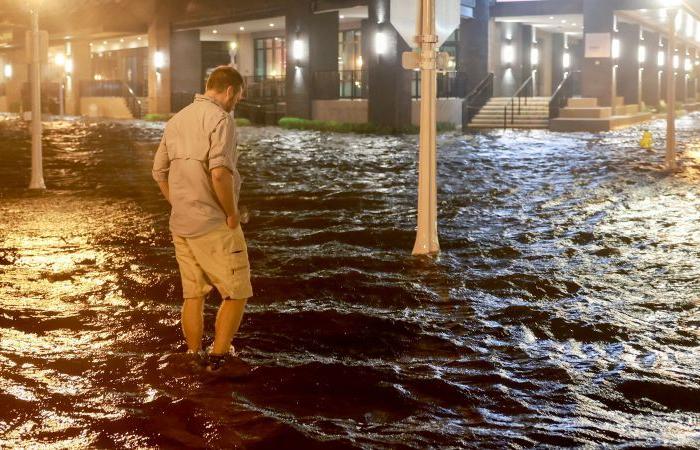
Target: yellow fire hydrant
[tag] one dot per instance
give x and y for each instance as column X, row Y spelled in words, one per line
column 647, row 141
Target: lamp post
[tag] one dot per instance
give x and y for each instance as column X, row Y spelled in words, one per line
column 427, row 235
column 671, row 93
column 37, row 178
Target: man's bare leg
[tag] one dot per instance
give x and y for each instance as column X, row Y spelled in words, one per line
column 193, row 323
column 228, row 320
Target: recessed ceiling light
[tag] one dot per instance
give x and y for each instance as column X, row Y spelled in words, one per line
column 121, row 40
column 272, row 25
column 215, row 31
column 563, row 21
column 551, row 17
column 138, row 38
column 242, row 28
column 342, row 17
column 104, row 42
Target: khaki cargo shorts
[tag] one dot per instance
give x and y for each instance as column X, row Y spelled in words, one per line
column 219, row 258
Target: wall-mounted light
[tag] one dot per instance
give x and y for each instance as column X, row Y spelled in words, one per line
column 661, row 58
column 60, row 59
column 688, row 65
column 7, row 71
column 676, row 61
column 689, row 26
column 381, row 43
column 534, row 56
column 679, row 21
column 642, row 54
column 615, row 48
column 359, row 62
column 233, row 45
column 508, row 54
column 159, row 61
column 298, row 50
column 68, row 65
column 566, row 62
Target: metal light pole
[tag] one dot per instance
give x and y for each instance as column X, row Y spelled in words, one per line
column 427, row 236
column 37, row 180
column 671, row 93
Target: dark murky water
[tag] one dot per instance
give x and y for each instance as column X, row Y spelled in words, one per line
column 564, row 310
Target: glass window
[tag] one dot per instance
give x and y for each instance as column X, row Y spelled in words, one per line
column 270, row 58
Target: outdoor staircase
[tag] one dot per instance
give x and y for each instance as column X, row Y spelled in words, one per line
column 534, row 114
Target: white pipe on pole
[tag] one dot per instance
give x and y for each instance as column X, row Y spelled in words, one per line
column 37, row 179
column 671, row 93
column 427, row 234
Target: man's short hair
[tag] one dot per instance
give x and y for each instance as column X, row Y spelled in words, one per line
column 224, row 76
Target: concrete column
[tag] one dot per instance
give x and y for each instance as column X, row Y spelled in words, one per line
column 525, row 52
column 628, row 65
column 159, row 80
column 557, row 57
column 186, row 63
column 81, row 58
column 681, row 84
column 692, row 76
column 312, row 46
column 389, row 83
column 20, row 75
column 597, row 73
column 473, row 58
column 650, row 70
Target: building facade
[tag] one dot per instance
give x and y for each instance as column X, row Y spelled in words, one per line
column 341, row 59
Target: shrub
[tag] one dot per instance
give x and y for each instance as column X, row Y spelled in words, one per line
column 156, row 117
column 360, row 128
column 242, row 122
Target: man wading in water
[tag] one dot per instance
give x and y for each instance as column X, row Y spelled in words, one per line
column 195, row 167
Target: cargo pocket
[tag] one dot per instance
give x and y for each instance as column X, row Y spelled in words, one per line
column 238, row 253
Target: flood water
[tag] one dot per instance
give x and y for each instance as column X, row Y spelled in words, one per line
column 564, row 309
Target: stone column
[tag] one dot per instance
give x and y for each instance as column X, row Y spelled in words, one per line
column 389, row 83
column 186, row 63
column 681, row 78
column 159, row 79
column 628, row 65
column 597, row 73
column 557, row 56
column 81, row 58
column 473, row 58
column 312, row 46
column 650, row 69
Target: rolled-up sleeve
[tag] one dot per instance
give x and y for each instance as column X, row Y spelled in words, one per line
column 222, row 143
column 161, row 162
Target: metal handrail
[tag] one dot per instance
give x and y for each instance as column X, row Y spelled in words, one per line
column 562, row 93
column 476, row 100
column 517, row 94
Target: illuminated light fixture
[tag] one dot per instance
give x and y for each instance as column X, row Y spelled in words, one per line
column 534, row 56
column 616, row 48
column 68, row 66
column 7, row 71
column 566, row 60
column 242, row 28
column 138, row 38
column 104, row 42
column 676, row 61
column 359, row 61
column 688, row 65
column 121, row 40
column 60, row 59
column 661, row 58
column 508, row 54
column 233, row 45
column 642, row 54
column 381, row 43
column 298, row 50
column 551, row 17
column 689, row 26
column 679, row 21
column 342, row 17
column 159, row 61
column 272, row 25
column 215, row 31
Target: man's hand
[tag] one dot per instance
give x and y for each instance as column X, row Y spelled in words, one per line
column 233, row 222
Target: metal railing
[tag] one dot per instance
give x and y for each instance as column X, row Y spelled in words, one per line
column 265, row 89
column 449, row 84
column 343, row 84
column 524, row 92
column 112, row 88
column 562, row 94
column 476, row 100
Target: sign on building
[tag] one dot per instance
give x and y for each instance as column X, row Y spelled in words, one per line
column 598, row 45
column 405, row 14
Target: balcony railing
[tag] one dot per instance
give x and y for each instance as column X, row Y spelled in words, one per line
column 344, row 84
column 449, row 85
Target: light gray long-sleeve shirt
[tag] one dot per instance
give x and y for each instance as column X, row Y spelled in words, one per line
column 197, row 140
